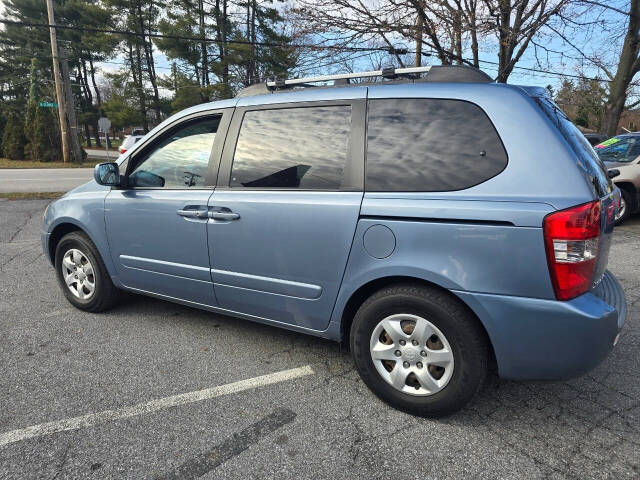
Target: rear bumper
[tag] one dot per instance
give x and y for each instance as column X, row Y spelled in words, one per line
column 537, row 339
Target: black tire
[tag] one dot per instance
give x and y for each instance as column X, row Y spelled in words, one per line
column 105, row 294
column 466, row 337
column 627, row 202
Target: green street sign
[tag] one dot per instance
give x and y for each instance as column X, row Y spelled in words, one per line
column 49, row 104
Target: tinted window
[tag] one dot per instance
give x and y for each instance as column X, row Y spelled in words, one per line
column 292, row 148
column 619, row 149
column 180, row 159
column 585, row 155
column 430, row 145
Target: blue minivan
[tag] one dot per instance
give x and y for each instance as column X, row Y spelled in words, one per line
column 439, row 223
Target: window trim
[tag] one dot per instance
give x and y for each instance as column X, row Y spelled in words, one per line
column 366, row 140
column 354, row 167
column 213, row 166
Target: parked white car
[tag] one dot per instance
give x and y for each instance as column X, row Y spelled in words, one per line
column 129, row 141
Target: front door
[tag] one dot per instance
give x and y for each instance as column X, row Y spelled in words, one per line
column 157, row 226
column 285, row 210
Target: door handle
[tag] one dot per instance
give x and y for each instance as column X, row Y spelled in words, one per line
column 192, row 213
column 223, row 216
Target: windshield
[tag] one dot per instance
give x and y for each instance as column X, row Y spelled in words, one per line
column 623, row 149
column 586, row 157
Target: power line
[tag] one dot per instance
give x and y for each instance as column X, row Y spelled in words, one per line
column 391, row 50
column 539, row 70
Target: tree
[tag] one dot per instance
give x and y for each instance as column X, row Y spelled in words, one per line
column 621, row 26
column 140, row 17
column 120, row 104
column 263, row 56
column 628, row 67
column 236, row 52
column 40, row 127
column 187, row 90
column 2, row 123
column 19, row 44
column 515, row 23
column 583, row 102
column 449, row 28
column 87, row 49
column 13, row 141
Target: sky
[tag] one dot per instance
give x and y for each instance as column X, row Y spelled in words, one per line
column 559, row 56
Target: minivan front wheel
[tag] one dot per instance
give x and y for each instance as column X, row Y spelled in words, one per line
column 82, row 275
column 418, row 349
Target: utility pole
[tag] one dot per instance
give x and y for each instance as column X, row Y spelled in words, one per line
column 71, row 110
column 58, row 80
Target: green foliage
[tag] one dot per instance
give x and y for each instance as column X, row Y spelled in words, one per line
column 13, row 140
column 3, row 121
column 583, row 102
column 230, row 66
column 41, row 126
column 120, row 112
column 136, row 95
column 45, row 146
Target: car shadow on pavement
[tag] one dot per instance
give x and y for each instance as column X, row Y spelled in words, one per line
column 565, row 429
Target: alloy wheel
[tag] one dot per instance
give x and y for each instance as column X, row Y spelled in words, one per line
column 78, row 274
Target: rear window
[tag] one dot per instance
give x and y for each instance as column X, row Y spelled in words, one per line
column 585, row 155
column 430, row 145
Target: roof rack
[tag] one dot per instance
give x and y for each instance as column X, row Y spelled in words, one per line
column 384, row 73
column 449, row 73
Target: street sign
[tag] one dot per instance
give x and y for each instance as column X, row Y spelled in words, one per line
column 49, row 104
column 104, row 124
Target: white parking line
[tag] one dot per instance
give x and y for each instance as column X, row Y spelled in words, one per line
column 153, row 406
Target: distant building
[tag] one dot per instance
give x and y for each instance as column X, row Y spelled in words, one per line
column 629, row 121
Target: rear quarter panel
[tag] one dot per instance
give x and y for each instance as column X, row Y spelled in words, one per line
column 474, row 246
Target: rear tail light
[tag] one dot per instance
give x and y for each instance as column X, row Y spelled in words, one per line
column 571, row 238
column 122, row 150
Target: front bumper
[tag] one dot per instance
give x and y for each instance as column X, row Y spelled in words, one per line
column 537, row 339
column 44, row 240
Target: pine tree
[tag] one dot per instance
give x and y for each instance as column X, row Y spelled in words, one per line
column 2, row 123
column 40, row 127
column 13, row 141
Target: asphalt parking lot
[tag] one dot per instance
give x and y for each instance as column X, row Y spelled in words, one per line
column 317, row 421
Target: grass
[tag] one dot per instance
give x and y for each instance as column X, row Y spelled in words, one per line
column 6, row 163
column 31, row 195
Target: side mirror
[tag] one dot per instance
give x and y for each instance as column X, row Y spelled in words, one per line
column 107, row 174
column 613, row 173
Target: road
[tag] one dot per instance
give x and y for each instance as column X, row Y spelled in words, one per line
column 116, row 380
column 43, row 179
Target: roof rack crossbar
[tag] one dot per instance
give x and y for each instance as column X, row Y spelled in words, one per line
column 386, row 73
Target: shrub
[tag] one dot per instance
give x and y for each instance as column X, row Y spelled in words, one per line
column 13, row 140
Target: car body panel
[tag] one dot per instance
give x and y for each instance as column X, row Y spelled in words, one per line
column 295, row 258
column 283, row 259
column 82, row 207
column 153, row 248
column 537, row 339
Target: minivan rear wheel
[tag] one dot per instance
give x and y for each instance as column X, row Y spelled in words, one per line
column 419, row 349
column 82, row 275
